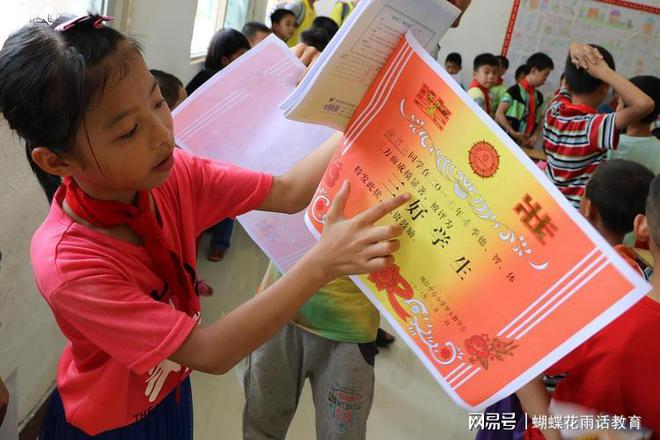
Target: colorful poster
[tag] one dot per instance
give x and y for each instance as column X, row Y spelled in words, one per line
column 628, row 29
column 498, row 276
column 234, row 117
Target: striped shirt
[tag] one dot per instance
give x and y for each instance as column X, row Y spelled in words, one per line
column 576, row 139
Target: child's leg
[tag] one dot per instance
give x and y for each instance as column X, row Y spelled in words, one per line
column 220, row 239
column 273, row 382
column 342, row 380
column 172, row 419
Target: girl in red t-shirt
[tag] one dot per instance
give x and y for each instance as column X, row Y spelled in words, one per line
column 115, row 258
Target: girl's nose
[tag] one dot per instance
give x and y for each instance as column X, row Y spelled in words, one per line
column 162, row 134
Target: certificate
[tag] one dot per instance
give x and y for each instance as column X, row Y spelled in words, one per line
column 337, row 82
column 498, row 276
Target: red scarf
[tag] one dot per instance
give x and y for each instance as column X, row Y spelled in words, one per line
column 141, row 219
column 485, row 91
column 569, row 109
column 531, row 113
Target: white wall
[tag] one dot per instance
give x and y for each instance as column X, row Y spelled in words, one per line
column 30, row 342
column 165, row 28
column 323, row 7
column 482, row 29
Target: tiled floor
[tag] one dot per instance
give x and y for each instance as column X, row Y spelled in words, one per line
column 408, row 403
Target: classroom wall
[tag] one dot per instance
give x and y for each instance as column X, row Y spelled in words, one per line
column 30, row 342
column 323, row 7
column 165, row 30
column 482, row 29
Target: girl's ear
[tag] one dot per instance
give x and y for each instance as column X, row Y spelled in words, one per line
column 224, row 61
column 641, row 228
column 53, row 163
column 587, row 209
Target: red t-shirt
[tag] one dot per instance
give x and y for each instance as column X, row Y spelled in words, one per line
column 120, row 323
column 617, row 371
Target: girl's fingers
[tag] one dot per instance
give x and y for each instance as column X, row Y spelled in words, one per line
column 336, row 211
column 298, row 49
column 382, row 249
column 382, row 233
column 306, row 54
column 378, row 264
column 375, row 213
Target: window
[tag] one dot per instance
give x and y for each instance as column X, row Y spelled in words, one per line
column 17, row 13
column 213, row 15
column 237, row 13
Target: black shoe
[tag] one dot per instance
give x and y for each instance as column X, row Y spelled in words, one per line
column 383, row 339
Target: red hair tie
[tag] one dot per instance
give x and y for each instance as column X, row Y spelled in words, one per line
column 97, row 22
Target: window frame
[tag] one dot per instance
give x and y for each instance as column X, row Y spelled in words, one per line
column 220, row 16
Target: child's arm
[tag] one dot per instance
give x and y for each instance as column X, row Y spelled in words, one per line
column 500, row 117
column 293, row 191
column 346, row 247
column 4, row 400
column 639, row 104
column 535, row 401
column 535, row 136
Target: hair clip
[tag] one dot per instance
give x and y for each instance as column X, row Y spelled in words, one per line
column 97, row 22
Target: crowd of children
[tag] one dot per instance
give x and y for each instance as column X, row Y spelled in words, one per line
column 602, row 155
column 116, row 257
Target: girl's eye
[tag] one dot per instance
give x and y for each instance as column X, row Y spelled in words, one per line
column 160, row 103
column 130, row 133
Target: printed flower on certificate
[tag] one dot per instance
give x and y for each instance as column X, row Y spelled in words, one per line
column 333, row 173
column 483, row 349
column 391, row 280
column 387, row 278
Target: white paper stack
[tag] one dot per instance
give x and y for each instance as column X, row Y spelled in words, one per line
column 336, row 83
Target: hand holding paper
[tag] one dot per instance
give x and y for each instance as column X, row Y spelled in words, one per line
column 355, row 245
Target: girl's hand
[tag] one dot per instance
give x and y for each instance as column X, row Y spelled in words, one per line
column 355, row 246
column 306, row 54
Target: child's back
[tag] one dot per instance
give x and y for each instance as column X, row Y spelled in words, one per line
column 576, row 137
column 640, row 149
column 639, row 144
